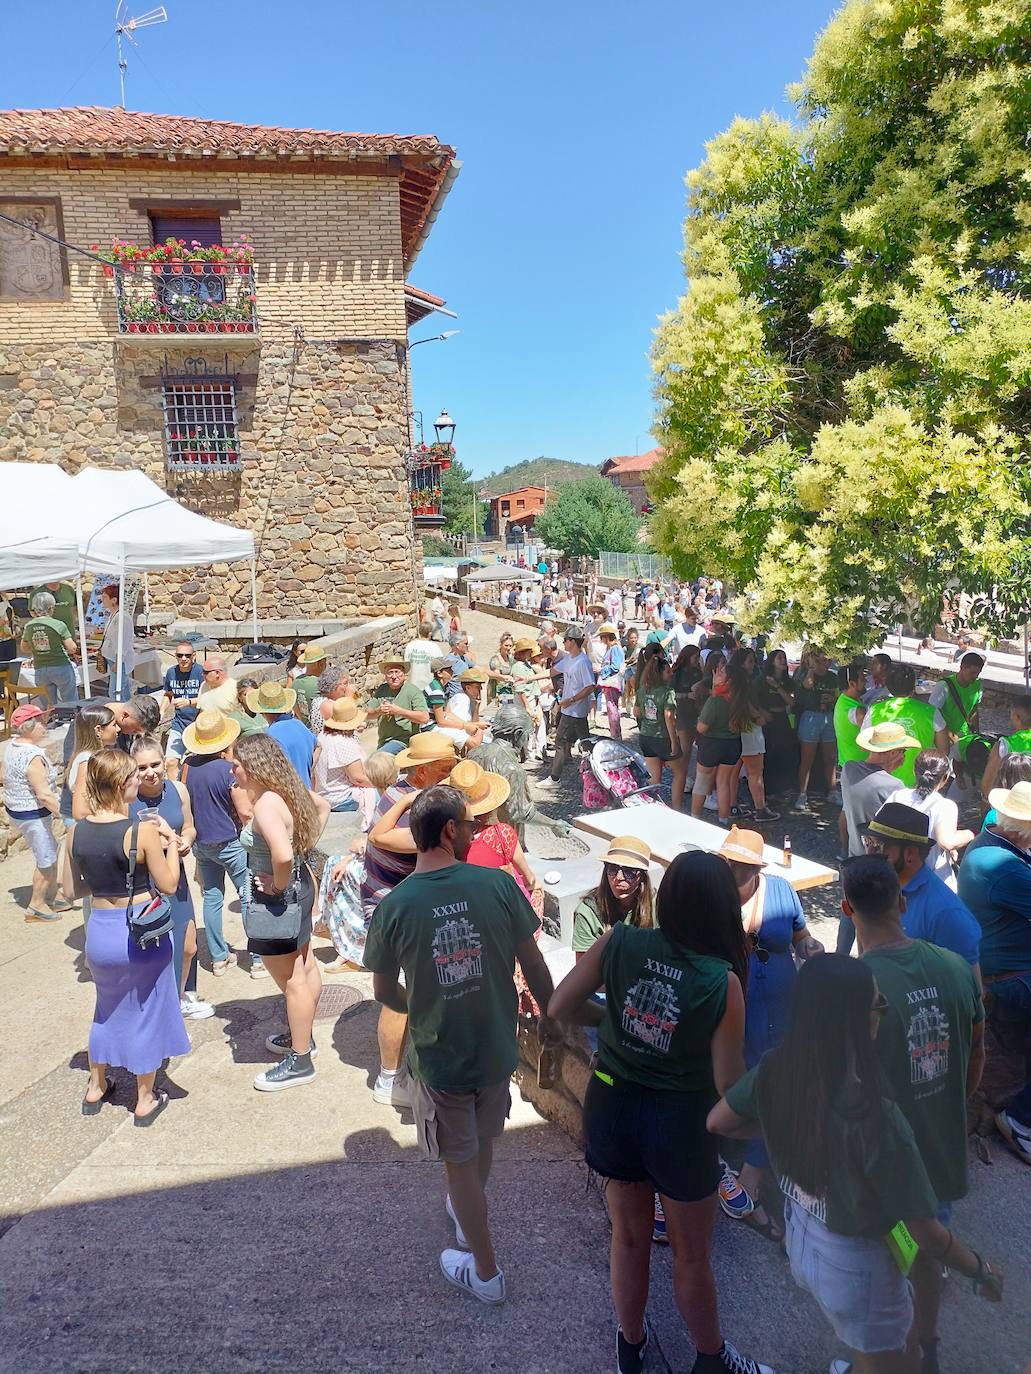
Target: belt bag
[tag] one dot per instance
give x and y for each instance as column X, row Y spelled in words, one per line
column 153, row 921
column 274, row 918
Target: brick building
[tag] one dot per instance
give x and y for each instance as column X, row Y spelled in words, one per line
column 520, row 507
column 272, row 395
column 628, row 474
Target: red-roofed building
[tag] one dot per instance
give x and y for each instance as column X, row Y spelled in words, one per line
column 519, row 507
column 259, row 368
column 627, row 472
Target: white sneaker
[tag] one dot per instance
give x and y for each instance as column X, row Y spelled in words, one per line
column 711, row 803
column 258, row 969
column 459, row 1268
column 1017, row 1136
column 392, row 1093
column 463, row 1244
column 841, row 1367
column 193, row 1009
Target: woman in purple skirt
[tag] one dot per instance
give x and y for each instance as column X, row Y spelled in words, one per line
column 137, row 1023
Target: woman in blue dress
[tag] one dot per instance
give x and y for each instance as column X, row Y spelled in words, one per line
column 172, row 802
column 776, row 930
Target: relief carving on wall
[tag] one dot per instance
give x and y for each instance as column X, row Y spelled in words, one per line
column 30, row 268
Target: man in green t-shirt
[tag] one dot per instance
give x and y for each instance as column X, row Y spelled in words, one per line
column 958, row 696
column 400, row 710
column 456, row 931
column 313, row 661
column 931, row 1047
column 1018, row 741
column 64, row 602
column 52, row 649
column 918, row 718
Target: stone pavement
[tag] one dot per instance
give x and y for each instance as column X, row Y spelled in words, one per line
column 300, row 1232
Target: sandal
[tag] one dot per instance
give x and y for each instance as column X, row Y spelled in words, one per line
column 93, row 1108
column 768, row 1229
column 342, row 966
column 148, row 1120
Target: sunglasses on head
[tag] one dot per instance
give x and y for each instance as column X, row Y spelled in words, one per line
column 630, row 875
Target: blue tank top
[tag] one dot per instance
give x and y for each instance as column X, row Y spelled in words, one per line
column 169, row 807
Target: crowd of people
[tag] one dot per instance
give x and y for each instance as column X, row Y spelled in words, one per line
column 714, row 1013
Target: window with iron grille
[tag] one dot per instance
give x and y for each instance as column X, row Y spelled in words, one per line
column 201, row 433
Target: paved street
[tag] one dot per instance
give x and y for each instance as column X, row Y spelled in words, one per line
column 301, row 1231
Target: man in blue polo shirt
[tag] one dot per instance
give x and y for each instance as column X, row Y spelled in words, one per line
column 931, row 910
column 182, row 686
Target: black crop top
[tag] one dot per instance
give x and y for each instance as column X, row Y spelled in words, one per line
column 98, row 850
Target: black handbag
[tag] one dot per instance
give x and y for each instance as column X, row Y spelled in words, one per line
column 274, row 918
column 148, row 926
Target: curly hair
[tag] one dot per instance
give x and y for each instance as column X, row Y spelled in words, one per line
column 266, row 763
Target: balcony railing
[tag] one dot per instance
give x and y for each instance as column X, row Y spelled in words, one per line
column 185, row 296
column 427, row 466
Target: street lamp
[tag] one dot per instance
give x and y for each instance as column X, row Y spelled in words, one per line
column 444, row 428
column 435, row 338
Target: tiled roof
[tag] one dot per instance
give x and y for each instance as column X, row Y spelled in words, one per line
column 427, row 167
column 631, row 462
column 419, row 304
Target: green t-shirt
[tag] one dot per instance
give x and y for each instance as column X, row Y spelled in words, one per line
column 409, row 698
column 663, row 1006
column 500, row 664
column 64, row 608
column 846, row 731
column 877, row 1179
column 249, row 725
column 918, row 719
column 588, row 925
column 924, row 1047
column 306, row 687
column 716, row 715
column 957, row 721
column 455, row 932
column 46, row 637
column 523, row 689
column 652, row 703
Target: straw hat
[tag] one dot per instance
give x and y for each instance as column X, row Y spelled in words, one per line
column 743, row 847
column 597, row 606
column 271, row 699
column 1014, row 803
column 525, row 645
column 473, row 675
column 396, row 662
column 883, row 738
column 608, row 629
column 210, row 733
column 347, row 715
column 629, row 852
column 313, row 653
column 484, row 792
column 432, row 746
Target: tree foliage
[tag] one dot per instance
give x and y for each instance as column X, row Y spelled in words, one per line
column 458, row 494
column 844, row 392
column 534, row 472
column 587, row 516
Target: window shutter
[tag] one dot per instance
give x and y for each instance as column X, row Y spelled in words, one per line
column 207, row 229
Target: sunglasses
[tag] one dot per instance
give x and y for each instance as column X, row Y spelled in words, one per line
column 186, row 655
column 630, row 875
column 759, row 950
column 880, row 1004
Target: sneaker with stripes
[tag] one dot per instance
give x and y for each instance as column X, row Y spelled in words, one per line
column 459, row 1268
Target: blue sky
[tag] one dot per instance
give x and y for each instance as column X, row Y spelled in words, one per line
column 575, row 122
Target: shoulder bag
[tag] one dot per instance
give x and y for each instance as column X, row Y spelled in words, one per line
column 278, row 917
column 148, row 925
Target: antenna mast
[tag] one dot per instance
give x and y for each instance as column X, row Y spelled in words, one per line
column 125, row 27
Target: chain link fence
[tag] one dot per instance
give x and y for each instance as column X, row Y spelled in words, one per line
column 618, row 566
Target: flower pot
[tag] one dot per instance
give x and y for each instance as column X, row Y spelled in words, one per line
column 219, row 269
column 191, row 326
column 157, row 268
column 152, row 327
column 174, row 265
column 244, row 268
column 167, row 327
column 210, row 327
column 109, row 271
column 197, row 268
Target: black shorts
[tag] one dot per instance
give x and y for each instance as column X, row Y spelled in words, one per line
column 657, row 747
column 713, row 752
column 570, row 729
column 641, row 1135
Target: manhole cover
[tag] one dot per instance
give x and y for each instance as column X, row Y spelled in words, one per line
column 336, row 1001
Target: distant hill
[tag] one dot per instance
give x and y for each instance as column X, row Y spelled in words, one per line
column 532, row 472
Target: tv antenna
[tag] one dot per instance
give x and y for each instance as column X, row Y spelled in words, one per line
column 125, row 27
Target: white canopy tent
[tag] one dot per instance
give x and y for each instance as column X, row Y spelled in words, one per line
column 504, row 572
column 117, row 523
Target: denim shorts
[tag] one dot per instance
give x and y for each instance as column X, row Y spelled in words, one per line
column 174, row 746
column 816, row 727
column 859, row 1287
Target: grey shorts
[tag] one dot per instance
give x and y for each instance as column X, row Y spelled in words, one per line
column 39, row 836
column 753, row 742
column 859, row 1287
column 451, row 1126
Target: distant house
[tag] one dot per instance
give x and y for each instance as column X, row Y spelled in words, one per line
column 520, row 507
column 628, row 472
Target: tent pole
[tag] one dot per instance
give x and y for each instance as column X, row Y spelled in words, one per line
column 146, row 600
column 84, row 651
column 120, row 657
column 254, row 599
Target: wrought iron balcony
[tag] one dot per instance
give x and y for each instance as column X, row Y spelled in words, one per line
column 427, row 466
column 185, row 296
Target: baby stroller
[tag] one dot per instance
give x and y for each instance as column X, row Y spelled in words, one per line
column 613, row 774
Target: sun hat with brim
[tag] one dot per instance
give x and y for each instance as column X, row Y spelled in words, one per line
column 210, row 733
column 896, row 821
column 484, row 792
column 1013, row 802
column 26, row 713
column 314, row 653
column 271, row 699
column 386, row 663
column 473, row 675
column 432, row 746
column 525, row 646
column 347, row 715
column 743, row 847
column 883, row 738
column 629, row 852
column 608, row 629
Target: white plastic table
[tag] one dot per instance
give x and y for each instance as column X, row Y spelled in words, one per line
column 670, row 833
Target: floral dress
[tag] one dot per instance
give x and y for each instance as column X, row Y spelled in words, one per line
column 494, row 847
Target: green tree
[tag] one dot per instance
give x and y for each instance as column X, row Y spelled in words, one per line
column 587, row 516
column 459, row 495
column 844, row 393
